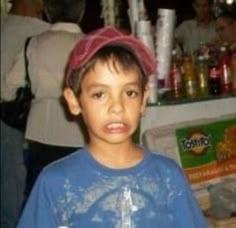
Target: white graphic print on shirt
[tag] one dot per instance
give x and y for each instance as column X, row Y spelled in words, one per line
column 118, row 200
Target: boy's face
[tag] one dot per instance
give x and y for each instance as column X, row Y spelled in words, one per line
column 111, row 102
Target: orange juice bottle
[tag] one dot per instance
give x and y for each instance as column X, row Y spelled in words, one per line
column 190, row 79
column 176, row 82
column 202, row 76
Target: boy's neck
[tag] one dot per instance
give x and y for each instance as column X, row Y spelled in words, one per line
column 117, row 156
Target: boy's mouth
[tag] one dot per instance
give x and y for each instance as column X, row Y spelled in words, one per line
column 116, row 127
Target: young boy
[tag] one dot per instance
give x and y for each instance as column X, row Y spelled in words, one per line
column 112, row 182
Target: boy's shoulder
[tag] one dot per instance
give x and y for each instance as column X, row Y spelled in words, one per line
column 164, row 163
column 161, row 159
column 68, row 164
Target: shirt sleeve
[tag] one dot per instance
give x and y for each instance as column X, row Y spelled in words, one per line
column 187, row 211
column 39, row 211
column 14, row 79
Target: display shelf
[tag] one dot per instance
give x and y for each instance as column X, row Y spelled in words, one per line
column 163, row 115
column 166, row 99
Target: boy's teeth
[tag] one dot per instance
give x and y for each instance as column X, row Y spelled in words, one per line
column 113, row 125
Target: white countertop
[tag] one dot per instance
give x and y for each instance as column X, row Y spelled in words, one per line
column 159, row 116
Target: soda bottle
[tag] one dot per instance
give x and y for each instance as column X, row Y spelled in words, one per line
column 214, row 79
column 225, row 71
column 202, row 76
column 190, row 80
column 233, row 70
column 176, row 82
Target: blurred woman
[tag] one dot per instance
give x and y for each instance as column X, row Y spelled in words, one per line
column 226, row 28
column 48, row 54
column 199, row 30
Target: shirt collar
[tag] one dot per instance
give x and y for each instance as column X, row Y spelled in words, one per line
column 205, row 24
column 68, row 27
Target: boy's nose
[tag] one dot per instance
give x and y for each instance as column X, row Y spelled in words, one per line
column 117, row 105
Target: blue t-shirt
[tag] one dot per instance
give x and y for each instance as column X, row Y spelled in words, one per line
column 77, row 191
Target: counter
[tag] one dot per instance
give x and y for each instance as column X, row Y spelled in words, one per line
column 160, row 116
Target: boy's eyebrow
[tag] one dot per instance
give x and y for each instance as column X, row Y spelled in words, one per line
column 94, row 85
column 105, row 85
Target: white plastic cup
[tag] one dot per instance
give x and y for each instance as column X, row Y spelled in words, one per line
column 143, row 27
column 133, row 14
column 148, row 41
column 164, row 42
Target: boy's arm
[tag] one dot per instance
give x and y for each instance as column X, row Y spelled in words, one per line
column 38, row 211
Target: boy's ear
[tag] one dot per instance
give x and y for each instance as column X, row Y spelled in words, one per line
column 72, row 101
column 146, row 94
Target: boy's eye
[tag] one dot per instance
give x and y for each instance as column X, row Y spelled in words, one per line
column 132, row 93
column 98, row 95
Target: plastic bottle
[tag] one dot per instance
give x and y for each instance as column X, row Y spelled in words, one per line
column 214, row 79
column 225, row 71
column 202, row 76
column 176, row 81
column 233, row 70
column 190, row 80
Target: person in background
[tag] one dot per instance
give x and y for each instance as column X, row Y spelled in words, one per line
column 121, row 184
column 190, row 34
column 23, row 20
column 226, row 28
column 50, row 134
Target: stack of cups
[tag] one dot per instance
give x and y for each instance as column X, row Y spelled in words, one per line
column 133, row 14
column 108, row 12
column 164, row 43
column 143, row 32
column 142, row 13
column 136, row 12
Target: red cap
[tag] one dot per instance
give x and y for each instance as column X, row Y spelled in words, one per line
column 88, row 45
